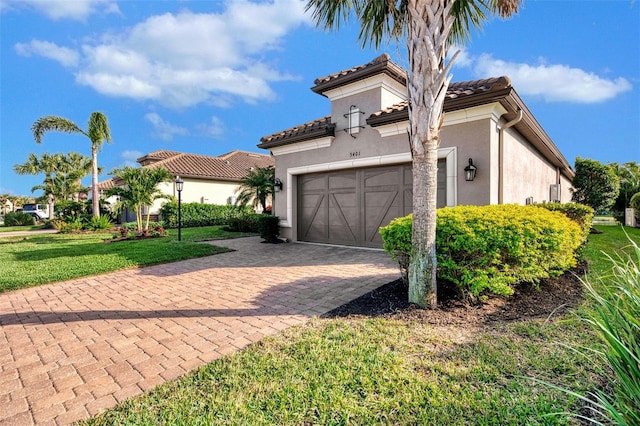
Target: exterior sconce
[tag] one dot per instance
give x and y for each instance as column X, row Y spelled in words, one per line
column 277, row 185
column 470, row 171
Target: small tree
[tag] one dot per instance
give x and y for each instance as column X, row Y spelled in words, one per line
column 140, row 189
column 256, row 187
column 595, row 184
column 629, row 174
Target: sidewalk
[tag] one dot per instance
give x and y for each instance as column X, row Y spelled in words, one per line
column 72, row 349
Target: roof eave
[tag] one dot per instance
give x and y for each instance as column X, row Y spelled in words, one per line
column 324, row 131
column 388, row 68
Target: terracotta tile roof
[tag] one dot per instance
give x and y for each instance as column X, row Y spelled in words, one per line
column 381, row 64
column 456, row 90
column 105, row 184
column 310, row 130
column 232, row 166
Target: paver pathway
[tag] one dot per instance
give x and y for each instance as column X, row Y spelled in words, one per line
column 70, row 350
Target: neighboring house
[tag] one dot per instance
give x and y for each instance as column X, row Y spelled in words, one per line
column 349, row 173
column 207, row 179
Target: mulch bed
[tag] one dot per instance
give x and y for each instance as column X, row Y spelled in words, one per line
column 550, row 298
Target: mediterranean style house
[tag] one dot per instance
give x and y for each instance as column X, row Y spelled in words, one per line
column 207, row 179
column 345, row 175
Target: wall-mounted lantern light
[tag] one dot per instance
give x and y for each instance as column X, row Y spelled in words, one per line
column 179, row 186
column 277, row 185
column 470, row 171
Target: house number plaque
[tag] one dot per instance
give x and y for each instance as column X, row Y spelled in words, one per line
column 354, row 154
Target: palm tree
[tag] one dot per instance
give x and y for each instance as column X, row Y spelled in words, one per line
column 140, row 189
column 97, row 131
column 430, row 27
column 49, row 164
column 76, row 167
column 256, row 187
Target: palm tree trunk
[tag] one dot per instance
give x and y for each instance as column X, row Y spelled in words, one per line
column 94, row 181
column 429, row 26
column 51, row 200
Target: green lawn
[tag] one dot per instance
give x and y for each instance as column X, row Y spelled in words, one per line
column 31, row 260
column 380, row 371
column 20, row 228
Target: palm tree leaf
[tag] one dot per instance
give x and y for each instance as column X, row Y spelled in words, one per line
column 53, row 123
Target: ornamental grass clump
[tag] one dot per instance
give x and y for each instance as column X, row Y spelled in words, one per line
column 614, row 313
column 489, row 249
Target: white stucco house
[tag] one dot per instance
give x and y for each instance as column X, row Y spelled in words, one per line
column 207, row 179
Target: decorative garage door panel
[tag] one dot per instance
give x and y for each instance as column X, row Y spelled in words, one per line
column 349, row 206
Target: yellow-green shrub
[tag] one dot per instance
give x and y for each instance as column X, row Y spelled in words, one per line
column 579, row 213
column 492, row 248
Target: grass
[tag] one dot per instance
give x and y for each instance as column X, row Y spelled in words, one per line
column 32, row 260
column 20, row 228
column 381, row 371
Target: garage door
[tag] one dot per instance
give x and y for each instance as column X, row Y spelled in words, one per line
column 348, row 206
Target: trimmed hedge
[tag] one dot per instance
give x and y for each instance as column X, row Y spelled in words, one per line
column 197, row 214
column 489, row 249
column 579, row 213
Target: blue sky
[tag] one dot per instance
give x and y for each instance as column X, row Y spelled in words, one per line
column 209, row 77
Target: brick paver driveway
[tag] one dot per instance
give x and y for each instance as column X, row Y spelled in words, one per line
column 69, row 350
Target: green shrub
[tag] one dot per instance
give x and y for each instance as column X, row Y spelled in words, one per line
column 99, row 223
column 579, row 213
column 197, row 214
column 249, row 222
column 635, row 204
column 269, row 227
column 489, row 249
column 18, row 219
column 70, row 225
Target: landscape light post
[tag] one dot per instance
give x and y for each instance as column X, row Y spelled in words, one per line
column 179, row 185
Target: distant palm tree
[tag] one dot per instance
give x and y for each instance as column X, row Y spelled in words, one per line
column 140, row 189
column 97, row 131
column 49, row 164
column 256, row 187
column 430, row 28
column 76, row 167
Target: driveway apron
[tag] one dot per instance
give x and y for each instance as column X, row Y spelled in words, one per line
column 72, row 349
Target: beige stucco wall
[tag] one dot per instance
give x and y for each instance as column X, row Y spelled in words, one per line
column 470, row 133
column 527, row 172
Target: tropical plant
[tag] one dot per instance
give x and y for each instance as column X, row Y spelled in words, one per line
column 629, row 175
column 49, row 164
column 256, row 187
column 75, row 167
column 595, row 184
column 18, row 219
column 635, row 204
column 431, row 28
column 97, row 131
column 140, row 190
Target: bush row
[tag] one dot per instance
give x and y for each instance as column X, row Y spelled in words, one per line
column 197, row 214
column 18, row 219
column 579, row 213
column 490, row 249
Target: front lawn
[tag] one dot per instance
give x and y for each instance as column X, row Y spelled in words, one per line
column 393, row 370
column 21, row 228
column 31, row 260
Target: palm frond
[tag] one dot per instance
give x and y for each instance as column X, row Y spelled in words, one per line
column 53, row 123
column 98, row 130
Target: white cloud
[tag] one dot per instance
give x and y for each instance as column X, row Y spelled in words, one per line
column 551, row 82
column 184, row 59
column 163, row 129
column 130, row 157
column 213, row 129
column 63, row 55
column 78, row 10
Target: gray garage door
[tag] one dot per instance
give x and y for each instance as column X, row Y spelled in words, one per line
column 348, row 206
